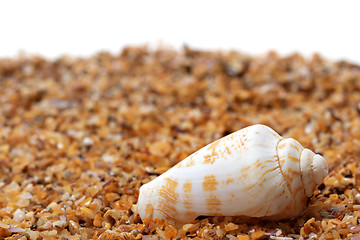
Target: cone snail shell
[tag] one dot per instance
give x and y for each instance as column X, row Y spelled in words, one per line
column 253, row 172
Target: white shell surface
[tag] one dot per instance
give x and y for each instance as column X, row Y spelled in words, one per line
column 238, row 175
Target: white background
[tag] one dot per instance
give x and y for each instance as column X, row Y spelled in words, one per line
column 82, row 28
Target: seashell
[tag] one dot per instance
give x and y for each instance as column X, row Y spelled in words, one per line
column 253, row 172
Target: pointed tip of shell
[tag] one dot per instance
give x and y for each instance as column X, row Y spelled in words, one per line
column 314, row 169
column 320, row 169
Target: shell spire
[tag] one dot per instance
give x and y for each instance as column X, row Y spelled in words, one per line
column 253, row 172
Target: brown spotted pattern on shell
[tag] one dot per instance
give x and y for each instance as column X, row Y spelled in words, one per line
column 253, row 172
